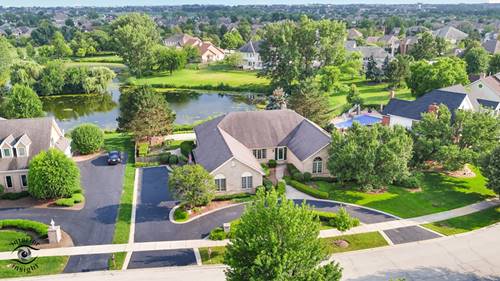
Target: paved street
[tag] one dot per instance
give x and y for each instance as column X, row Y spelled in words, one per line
column 470, row 256
column 95, row 224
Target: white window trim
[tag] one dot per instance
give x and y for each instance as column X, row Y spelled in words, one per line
column 25, row 147
column 316, row 165
column 11, row 181
column 245, row 180
column 218, row 178
column 10, row 150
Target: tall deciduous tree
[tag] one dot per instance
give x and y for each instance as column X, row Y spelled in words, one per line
column 308, row 101
column 21, row 102
column 193, row 185
column 444, row 72
column 425, row 48
column 7, row 57
column 490, row 168
column 51, row 79
column 291, row 50
column 169, row 59
column 353, row 97
column 145, row 113
column 278, row 240
column 25, row 73
column 477, row 60
column 61, row 49
column 232, row 40
column 370, row 156
column 494, row 66
column 398, row 71
column 135, row 36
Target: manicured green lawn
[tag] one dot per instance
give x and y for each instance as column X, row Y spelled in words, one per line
column 123, row 142
column 44, row 265
column 356, row 242
column 372, row 93
column 105, row 59
column 191, row 78
column 466, row 223
column 216, row 257
column 111, row 65
column 439, row 193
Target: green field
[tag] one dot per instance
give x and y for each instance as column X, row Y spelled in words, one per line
column 372, row 93
column 356, row 242
column 466, row 223
column 104, row 59
column 192, row 78
column 45, row 265
column 124, row 143
column 439, row 193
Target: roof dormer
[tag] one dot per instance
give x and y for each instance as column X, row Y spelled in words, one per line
column 6, row 147
column 22, row 146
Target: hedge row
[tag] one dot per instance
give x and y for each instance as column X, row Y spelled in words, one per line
column 14, row 195
column 38, row 227
column 226, row 197
column 70, row 202
column 220, row 87
column 325, row 216
column 308, row 190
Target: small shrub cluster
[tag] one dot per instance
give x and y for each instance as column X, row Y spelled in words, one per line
column 325, row 179
column 272, row 163
column 308, row 190
column 2, row 189
column 172, row 159
column 325, row 216
column 146, row 164
column 281, row 188
column 226, row 197
column 187, row 147
column 343, row 221
column 410, row 181
column 37, row 227
column 180, row 214
column 87, row 139
column 142, row 149
column 265, row 167
column 268, row 184
column 217, row 234
column 70, row 202
column 14, row 195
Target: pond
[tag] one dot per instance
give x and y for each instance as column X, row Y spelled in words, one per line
column 103, row 110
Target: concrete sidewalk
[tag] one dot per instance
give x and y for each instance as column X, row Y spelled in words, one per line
column 468, row 256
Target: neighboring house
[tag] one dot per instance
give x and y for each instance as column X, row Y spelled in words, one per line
column 378, row 53
column 372, row 39
column 390, row 43
column 407, row 44
column 450, row 34
column 22, row 31
column 405, row 113
column 492, row 46
column 353, row 34
column 250, row 55
column 20, row 141
column 490, row 36
column 487, row 91
column 208, row 51
column 232, row 147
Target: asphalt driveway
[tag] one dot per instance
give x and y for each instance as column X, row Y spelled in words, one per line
column 93, row 225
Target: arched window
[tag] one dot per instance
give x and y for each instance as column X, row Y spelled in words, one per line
column 246, row 180
column 317, row 165
column 220, row 182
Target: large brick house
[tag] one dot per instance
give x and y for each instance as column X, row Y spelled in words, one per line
column 233, row 146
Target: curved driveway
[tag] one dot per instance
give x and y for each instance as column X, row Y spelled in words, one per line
column 155, row 203
column 95, row 223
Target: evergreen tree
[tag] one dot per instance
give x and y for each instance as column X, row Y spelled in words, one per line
column 308, row 101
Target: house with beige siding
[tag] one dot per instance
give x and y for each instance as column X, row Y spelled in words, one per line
column 20, row 141
column 233, row 146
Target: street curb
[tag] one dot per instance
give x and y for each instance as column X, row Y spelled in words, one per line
column 172, row 211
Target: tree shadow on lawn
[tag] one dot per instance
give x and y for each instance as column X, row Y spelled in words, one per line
column 424, row 273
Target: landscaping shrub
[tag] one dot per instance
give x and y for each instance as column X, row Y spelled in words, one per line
column 180, row 214
column 307, row 176
column 291, row 169
column 173, row 159
column 272, row 163
column 298, row 176
column 281, row 188
column 226, row 197
column 142, row 149
column 187, row 147
column 343, row 221
column 265, row 167
column 325, row 179
column 147, row 164
column 325, row 216
column 37, row 227
column 268, row 184
column 183, row 159
column 366, row 187
column 53, row 175
column 410, row 181
column 308, row 190
column 2, row 189
column 87, row 138
column 14, row 195
column 164, row 158
column 78, row 197
column 65, row 202
column 217, row 234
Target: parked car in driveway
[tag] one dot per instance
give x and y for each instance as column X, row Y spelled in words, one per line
column 114, row 157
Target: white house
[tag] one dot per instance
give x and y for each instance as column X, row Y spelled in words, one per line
column 250, row 55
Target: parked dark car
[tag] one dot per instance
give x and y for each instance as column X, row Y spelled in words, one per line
column 114, row 157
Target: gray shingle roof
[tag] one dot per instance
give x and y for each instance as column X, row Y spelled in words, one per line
column 452, row 97
column 492, row 46
column 488, row 103
column 37, row 130
column 449, row 32
column 251, row 47
column 255, row 129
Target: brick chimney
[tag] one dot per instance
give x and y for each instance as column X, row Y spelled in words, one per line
column 433, row 107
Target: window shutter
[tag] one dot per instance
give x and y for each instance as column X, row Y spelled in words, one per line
column 276, row 153
column 284, row 156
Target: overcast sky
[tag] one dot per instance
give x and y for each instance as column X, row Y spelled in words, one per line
column 51, row 3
